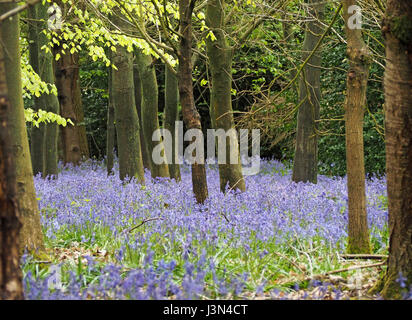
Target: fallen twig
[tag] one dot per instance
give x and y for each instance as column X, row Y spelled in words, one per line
column 363, row 256
column 141, row 223
column 323, row 275
column 40, row 262
column 319, row 276
column 224, row 216
column 356, row 267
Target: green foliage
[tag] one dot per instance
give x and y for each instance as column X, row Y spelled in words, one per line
column 261, row 67
column 33, row 85
column 93, row 80
column 401, row 27
column 332, row 149
column 31, row 81
column 88, row 31
column 42, row 116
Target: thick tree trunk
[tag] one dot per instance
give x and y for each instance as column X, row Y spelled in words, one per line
column 190, row 114
column 305, row 165
column 171, row 115
column 74, row 139
column 11, row 287
column 398, row 121
column 150, row 119
column 220, row 56
column 111, row 128
column 37, row 134
column 356, row 84
column 31, row 236
column 138, row 98
column 127, row 121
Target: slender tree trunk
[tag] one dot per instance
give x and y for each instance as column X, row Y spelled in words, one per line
column 31, row 236
column 37, row 134
column 127, row 121
column 111, row 129
column 171, row 116
column 397, row 30
column 356, row 85
column 11, row 287
column 60, row 152
column 138, row 98
column 220, row 56
column 190, row 114
column 305, row 166
column 79, row 114
column 74, row 139
column 150, row 119
column 50, row 101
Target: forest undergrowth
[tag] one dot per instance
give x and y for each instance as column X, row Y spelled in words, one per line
column 106, row 239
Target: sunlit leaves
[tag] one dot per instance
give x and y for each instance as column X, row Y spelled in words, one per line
column 32, row 84
column 211, row 36
column 42, row 116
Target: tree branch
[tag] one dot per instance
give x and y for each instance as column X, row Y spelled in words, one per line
column 17, row 10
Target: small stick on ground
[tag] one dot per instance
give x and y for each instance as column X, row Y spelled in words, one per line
column 142, row 223
column 363, row 256
column 224, row 216
column 323, row 275
column 319, row 276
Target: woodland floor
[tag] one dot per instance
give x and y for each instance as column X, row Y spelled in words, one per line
column 278, row 240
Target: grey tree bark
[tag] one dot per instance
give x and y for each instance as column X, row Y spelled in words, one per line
column 305, row 165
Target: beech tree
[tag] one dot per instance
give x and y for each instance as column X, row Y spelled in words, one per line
column 37, row 133
column 138, row 99
column 171, row 115
column 126, row 118
column 74, row 139
column 220, row 61
column 10, row 225
column 150, row 119
column 179, row 44
column 190, row 114
column 397, row 29
column 111, row 128
column 356, row 84
column 44, row 142
column 31, row 236
column 305, row 164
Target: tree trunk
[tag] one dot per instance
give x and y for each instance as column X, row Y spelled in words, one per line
column 127, row 121
column 150, row 119
column 356, row 84
column 31, row 236
column 305, row 165
column 11, row 287
column 171, row 115
column 37, row 134
column 51, row 102
column 74, row 139
column 138, row 98
column 220, row 60
column 398, row 122
column 111, row 129
column 190, row 114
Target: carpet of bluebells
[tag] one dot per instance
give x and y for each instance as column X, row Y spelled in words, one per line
column 107, row 239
